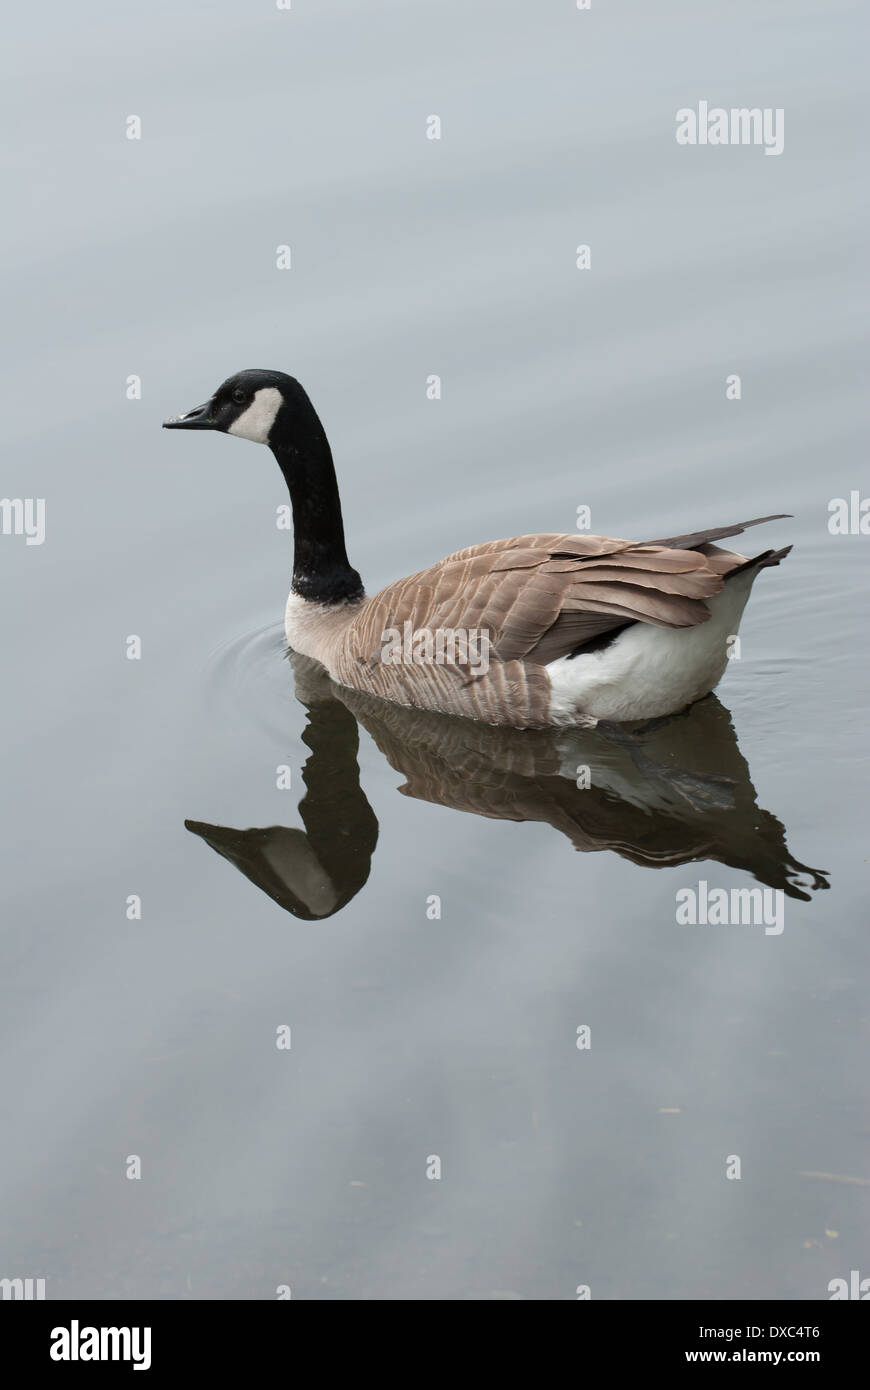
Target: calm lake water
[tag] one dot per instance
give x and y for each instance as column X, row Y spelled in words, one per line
column 412, row 1036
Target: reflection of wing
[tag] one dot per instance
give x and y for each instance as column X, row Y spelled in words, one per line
column 666, row 793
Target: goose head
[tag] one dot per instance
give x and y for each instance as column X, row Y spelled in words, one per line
column 272, row 408
column 266, row 407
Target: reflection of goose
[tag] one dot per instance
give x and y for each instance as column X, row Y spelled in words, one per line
column 531, row 632
column 664, row 794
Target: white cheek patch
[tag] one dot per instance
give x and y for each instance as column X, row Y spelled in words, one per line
column 256, row 422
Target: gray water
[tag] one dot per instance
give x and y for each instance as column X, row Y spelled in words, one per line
column 413, row 1036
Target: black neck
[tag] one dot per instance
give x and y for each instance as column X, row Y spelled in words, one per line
column 321, row 569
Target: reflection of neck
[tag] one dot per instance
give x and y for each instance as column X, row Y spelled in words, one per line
column 321, row 569
column 313, row 872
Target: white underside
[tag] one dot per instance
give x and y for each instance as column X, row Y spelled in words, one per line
column 649, row 671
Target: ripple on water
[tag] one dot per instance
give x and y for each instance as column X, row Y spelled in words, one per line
column 251, row 673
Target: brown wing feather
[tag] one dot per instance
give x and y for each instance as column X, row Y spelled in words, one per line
column 521, row 590
column 537, row 597
column 716, row 533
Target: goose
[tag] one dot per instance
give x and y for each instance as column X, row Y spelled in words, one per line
column 533, row 631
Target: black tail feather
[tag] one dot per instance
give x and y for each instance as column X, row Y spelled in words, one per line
column 767, row 557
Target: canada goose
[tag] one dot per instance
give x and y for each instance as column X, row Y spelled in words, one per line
column 533, row 631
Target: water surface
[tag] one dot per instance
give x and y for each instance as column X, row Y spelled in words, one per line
column 414, row 1036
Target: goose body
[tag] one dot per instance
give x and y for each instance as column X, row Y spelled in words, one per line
column 532, row 631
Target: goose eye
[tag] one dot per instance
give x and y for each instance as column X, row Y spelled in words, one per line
column 239, row 396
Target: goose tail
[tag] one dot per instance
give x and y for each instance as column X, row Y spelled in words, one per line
column 759, row 562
